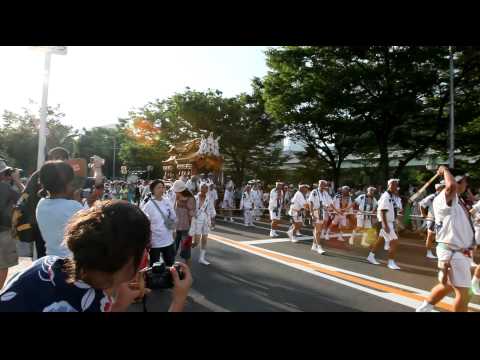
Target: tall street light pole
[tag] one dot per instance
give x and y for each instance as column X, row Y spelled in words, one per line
column 451, row 153
column 114, row 151
column 42, row 135
column 42, row 139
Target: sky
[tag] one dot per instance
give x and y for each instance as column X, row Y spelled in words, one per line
column 95, row 85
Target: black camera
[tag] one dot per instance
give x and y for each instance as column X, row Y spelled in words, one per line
column 159, row 277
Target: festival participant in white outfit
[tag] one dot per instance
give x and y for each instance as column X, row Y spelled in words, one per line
column 342, row 204
column 297, row 208
column 386, row 214
column 455, row 238
column 275, row 207
column 364, row 204
column 228, row 201
column 475, row 212
column 213, row 199
column 319, row 203
column 246, row 204
column 201, row 222
column 193, row 184
column 257, row 201
column 426, row 209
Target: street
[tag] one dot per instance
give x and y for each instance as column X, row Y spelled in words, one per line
column 251, row 272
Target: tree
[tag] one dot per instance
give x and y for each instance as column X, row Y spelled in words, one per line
column 141, row 143
column 246, row 132
column 19, row 136
column 301, row 93
column 396, row 96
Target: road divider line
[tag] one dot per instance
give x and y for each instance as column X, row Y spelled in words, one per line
column 351, row 279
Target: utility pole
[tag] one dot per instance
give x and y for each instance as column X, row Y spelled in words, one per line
column 114, row 151
column 451, row 152
column 42, row 132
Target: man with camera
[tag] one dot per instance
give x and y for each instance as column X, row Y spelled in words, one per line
column 8, row 197
column 108, row 244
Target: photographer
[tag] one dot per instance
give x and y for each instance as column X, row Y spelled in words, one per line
column 107, row 243
column 162, row 218
column 54, row 211
column 8, row 197
column 30, row 197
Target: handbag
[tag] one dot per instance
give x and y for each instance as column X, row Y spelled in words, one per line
column 169, row 223
column 191, row 231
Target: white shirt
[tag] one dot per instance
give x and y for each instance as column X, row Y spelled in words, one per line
column 298, row 201
column 228, row 200
column 318, row 197
column 161, row 236
column 452, row 223
column 53, row 216
column 337, row 202
column 247, row 201
column 206, row 211
column 171, row 196
column 275, row 201
column 256, row 196
column 386, row 203
column 427, row 203
column 362, row 206
column 213, row 196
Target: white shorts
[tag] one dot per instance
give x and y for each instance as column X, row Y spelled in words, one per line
column 392, row 235
column 319, row 216
column 201, row 227
column 297, row 217
column 340, row 220
column 364, row 222
column 459, row 274
column 274, row 215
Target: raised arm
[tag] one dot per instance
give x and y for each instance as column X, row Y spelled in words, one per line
column 450, row 184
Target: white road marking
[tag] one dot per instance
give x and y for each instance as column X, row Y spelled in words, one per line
column 286, row 240
column 274, row 241
column 202, row 300
column 388, row 296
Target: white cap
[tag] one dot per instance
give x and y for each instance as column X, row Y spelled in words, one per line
column 323, row 182
column 371, row 188
column 179, row 186
column 393, row 180
column 278, row 183
column 439, row 186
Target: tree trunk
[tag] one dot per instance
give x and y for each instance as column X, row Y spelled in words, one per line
column 336, row 175
column 384, row 161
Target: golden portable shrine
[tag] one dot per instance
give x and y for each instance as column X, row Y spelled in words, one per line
column 195, row 157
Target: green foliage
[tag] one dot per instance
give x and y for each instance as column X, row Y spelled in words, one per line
column 370, row 99
column 246, row 132
column 19, row 136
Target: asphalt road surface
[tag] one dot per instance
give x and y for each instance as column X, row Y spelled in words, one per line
column 249, row 271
